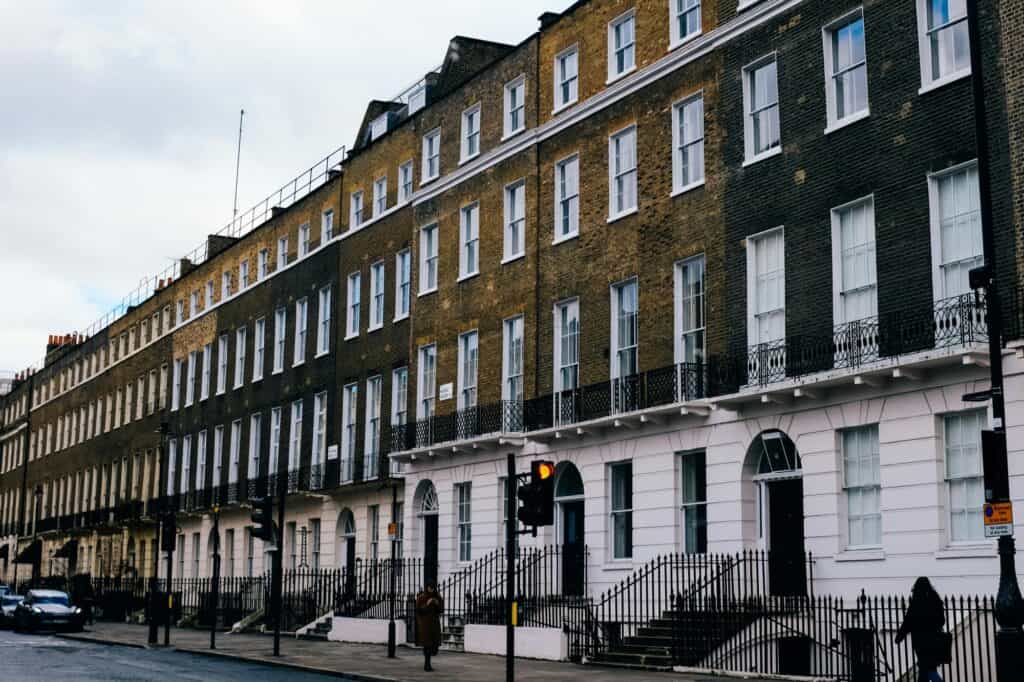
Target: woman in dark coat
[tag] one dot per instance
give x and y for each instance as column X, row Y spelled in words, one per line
column 429, row 606
column 923, row 622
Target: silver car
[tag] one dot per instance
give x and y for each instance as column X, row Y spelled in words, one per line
column 8, row 602
column 47, row 609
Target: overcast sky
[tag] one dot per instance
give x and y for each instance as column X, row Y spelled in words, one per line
column 118, row 126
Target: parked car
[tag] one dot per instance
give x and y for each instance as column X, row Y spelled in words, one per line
column 8, row 602
column 4, row 589
column 47, row 609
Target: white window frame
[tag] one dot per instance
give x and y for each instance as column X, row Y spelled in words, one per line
column 939, row 291
column 301, row 325
column 399, row 406
column 323, row 324
column 295, row 437
column 352, row 309
column 856, row 487
column 356, row 209
column 426, row 384
column 274, row 455
column 259, row 349
column 470, row 135
column 319, row 455
column 753, row 311
column 405, row 182
column 626, row 511
column 372, row 428
column 567, row 197
column 468, row 369
column 234, row 451
column 686, row 345
column 514, row 242
column 225, row 285
column 200, row 475
column 464, row 521
column 618, row 351
column 469, row 240
column 964, row 479
column 562, row 78
column 828, row 37
column 513, row 342
column 681, row 143
column 327, row 226
column 282, row 252
column 349, row 407
column 243, row 275
column 838, row 290
column 628, row 65
column 190, row 380
column 255, row 445
column 429, row 259
column 690, row 502
column 627, row 174
column 403, row 284
column 515, row 124
column 380, row 196
column 176, row 384
column 928, row 79
column 280, row 334
column 751, row 155
column 431, row 156
column 678, row 9
column 377, row 277
column 262, row 265
column 218, row 454
column 562, row 359
column 240, row 340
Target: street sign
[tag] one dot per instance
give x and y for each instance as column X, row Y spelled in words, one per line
column 998, row 519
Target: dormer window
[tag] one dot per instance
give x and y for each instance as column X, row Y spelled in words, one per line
column 417, row 99
column 379, row 126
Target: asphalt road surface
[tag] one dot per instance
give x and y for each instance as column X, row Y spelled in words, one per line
column 25, row 658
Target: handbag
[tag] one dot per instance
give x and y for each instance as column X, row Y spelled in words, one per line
column 944, row 648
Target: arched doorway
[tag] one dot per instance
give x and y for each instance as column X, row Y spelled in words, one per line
column 427, row 509
column 778, row 475
column 345, row 548
column 570, row 529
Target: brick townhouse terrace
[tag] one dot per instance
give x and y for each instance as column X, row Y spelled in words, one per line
column 709, row 256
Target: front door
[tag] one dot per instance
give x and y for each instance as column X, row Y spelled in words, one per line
column 786, row 566
column 350, row 564
column 573, row 554
column 430, row 550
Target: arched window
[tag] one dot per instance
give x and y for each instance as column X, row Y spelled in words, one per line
column 428, row 499
column 570, row 483
column 776, row 453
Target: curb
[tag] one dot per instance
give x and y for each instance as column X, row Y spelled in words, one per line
column 360, row 677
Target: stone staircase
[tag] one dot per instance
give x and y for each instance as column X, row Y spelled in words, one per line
column 692, row 633
column 453, row 634
column 319, row 630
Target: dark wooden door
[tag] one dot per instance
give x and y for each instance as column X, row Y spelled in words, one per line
column 350, row 565
column 430, row 550
column 786, row 566
column 573, row 554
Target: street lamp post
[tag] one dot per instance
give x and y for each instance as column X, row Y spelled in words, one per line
column 1009, row 608
column 154, row 583
column 391, row 592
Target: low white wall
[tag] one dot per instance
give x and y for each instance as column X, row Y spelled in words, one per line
column 550, row 644
column 365, row 631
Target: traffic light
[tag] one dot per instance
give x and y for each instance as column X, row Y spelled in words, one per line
column 262, row 516
column 168, row 532
column 538, row 496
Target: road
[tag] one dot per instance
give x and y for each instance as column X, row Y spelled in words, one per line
column 45, row 657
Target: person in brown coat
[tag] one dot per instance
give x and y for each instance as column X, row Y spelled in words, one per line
column 429, row 606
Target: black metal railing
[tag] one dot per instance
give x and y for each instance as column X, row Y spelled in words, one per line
column 369, row 585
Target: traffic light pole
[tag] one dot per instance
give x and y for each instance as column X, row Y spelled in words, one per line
column 511, row 527
column 278, row 557
column 215, row 587
column 1009, row 608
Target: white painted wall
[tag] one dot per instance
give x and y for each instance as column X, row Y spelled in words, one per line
column 550, row 644
column 365, row 631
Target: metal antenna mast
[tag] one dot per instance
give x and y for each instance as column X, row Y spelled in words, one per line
column 238, row 162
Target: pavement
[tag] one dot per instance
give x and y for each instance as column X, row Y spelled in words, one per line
column 359, row 661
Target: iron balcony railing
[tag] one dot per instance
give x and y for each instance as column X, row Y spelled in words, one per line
column 952, row 322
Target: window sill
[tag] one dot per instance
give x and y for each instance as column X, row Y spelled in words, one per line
column 321, row 354
column 427, row 292
column 468, row 275
column 566, row 238
column 237, row 386
column 675, row 44
column 513, row 259
column 745, row 4
column 514, row 133
column 833, row 126
column 300, row 363
column 562, row 107
column 258, row 379
column 972, row 550
column 277, row 371
column 612, row 78
column 400, row 318
column 374, row 328
column 620, row 216
column 858, row 554
column 775, row 151
column 686, row 188
column 943, row 81
column 426, row 181
column 466, row 159
column 349, row 337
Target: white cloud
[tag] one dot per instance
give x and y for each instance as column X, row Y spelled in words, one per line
column 118, row 124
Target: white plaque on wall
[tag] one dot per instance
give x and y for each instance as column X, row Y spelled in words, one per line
column 446, row 391
column 332, row 452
